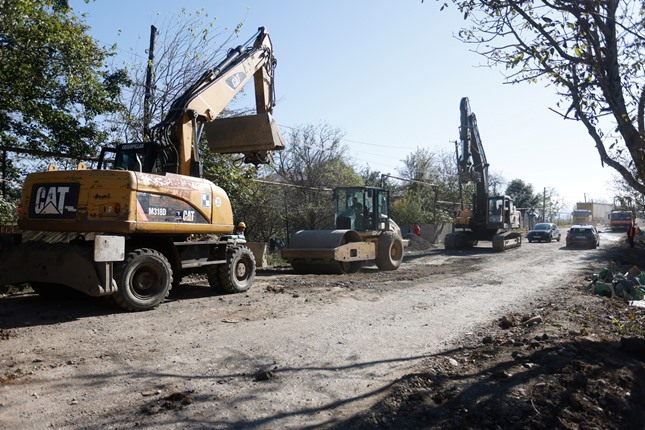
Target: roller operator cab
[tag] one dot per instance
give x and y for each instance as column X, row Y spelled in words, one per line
column 364, row 233
column 144, row 217
column 362, row 209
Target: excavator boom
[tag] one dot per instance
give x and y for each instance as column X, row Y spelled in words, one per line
column 179, row 132
column 472, row 163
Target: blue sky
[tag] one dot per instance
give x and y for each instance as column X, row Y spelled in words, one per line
column 391, row 75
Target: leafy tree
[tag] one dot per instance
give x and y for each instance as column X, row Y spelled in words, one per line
column 371, row 178
column 265, row 211
column 8, row 211
column 54, row 86
column 315, row 157
column 427, row 177
column 313, row 162
column 419, row 173
column 592, row 54
column 11, row 172
column 522, row 194
column 409, row 210
column 419, row 166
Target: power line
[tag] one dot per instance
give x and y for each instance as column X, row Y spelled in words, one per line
column 375, row 144
column 284, row 184
column 358, row 141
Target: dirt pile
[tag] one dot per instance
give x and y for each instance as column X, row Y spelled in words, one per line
column 417, row 243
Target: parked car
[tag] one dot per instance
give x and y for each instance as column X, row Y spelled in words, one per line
column 583, row 235
column 544, row 231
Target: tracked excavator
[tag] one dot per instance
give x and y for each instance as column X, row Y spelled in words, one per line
column 364, row 232
column 491, row 218
column 124, row 229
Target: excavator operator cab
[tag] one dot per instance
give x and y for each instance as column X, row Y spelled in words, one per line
column 495, row 210
column 362, row 208
column 137, row 157
column 501, row 213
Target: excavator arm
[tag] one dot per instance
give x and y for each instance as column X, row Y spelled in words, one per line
column 472, row 164
column 178, row 134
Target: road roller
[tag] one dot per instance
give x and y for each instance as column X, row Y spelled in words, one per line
column 364, row 233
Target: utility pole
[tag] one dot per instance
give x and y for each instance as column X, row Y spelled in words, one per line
column 4, row 173
column 149, row 84
column 544, row 205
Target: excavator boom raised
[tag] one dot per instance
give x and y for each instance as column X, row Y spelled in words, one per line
column 491, row 218
column 200, row 105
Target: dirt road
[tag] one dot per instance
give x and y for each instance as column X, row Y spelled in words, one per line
column 294, row 352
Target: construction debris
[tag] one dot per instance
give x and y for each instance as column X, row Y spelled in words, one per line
column 629, row 286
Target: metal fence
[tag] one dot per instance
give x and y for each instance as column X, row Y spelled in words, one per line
column 9, row 228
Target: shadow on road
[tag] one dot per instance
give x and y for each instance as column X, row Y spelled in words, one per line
column 165, row 404
column 29, row 309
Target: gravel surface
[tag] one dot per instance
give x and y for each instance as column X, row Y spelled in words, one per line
column 294, row 352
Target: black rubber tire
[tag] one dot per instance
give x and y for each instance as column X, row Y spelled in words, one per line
column 351, row 266
column 450, row 241
column 144, row 279
column 212, row 273
column 236, row 276
column 177, row 276
column 390, row 251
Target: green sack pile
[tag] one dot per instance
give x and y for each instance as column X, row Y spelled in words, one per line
column 608, row 284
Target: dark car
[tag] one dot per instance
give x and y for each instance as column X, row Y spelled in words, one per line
column 583, row 235
column 544, row 231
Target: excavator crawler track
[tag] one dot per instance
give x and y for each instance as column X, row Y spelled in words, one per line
column 507, row 240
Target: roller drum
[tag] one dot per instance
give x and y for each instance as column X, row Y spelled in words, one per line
column 312, row 251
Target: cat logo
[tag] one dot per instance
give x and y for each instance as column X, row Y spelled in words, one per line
column 54, row 200
column 236, row 80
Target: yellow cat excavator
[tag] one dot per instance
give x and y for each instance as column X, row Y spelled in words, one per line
column 123, row 229
column 491, row 218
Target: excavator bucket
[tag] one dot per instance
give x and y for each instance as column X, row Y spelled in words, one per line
column 255, row 136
